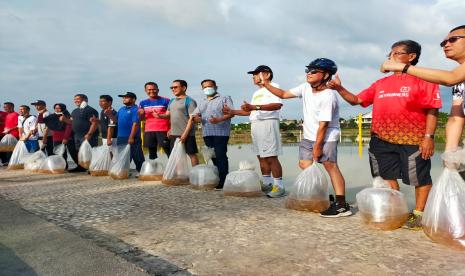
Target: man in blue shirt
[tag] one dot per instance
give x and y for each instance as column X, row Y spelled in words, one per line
column 216, row 127
column 128, row 128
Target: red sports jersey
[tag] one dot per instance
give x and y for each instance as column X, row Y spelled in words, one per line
column 400, row 102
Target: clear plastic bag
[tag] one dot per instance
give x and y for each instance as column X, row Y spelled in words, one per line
column 204, row 177
column 177, row 169
column 18, row 156
column 381, row 207
column 245, row 183
column 152, row 170
column 101, row 161
column 121, row 162
column 310, row 191
column 54, row 164
column 246, row 165
column 85, row 154
column 34, row 161
column 208, row 153
column 8, row 143
column 444, row 215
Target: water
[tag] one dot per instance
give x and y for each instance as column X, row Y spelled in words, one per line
column 355, row 170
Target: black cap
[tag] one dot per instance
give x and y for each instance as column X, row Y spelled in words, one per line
column 39, row 102
column 128, row 94
column 261, row 68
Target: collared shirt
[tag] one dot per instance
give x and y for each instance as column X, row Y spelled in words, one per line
column 127, row 116
column 28, row 124
column 106, row 122
column 214, row 108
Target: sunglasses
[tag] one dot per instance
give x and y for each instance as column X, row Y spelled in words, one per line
column 174, row 87
column 312, row 71
column 451, row 40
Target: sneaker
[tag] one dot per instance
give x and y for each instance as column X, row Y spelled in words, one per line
column 413, row 222
column 266, row 188
column 276, row 192
column 335, row 210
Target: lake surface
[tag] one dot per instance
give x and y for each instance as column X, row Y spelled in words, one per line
column 355, row 170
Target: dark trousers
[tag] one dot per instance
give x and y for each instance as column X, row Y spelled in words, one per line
column 49, row 146
column 220, row 144
column 137, row 155
column 71, row 148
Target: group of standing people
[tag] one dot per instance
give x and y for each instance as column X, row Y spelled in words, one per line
column 405, row 111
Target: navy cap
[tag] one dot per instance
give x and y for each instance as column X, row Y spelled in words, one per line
column 39, row 102
column 128, row 94
column 261, row 68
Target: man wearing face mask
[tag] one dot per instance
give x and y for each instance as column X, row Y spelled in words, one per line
column 84, row 125
column 156, row 129
column 216, row 127
column 129, row 128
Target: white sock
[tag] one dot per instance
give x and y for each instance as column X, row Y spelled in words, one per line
column 267, row 180
column 278, row 182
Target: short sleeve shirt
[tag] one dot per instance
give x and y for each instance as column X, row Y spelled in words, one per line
column 214, row 108
column 159, row 105
column 28, row 124
column 2, row 121
column 106, row 122
column 178, row 117
column 81, row 121
column 322, row 106
column 261, row 97
column 400, row 103
column 127, row 116
column 11, row 121
column 41, row 125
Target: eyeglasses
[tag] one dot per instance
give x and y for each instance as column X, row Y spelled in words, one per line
column 173, row 87
column 451, row 40
column 312, row 71
column 396, row 54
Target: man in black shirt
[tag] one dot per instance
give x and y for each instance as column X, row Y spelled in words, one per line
column 108, row 127
column 84, row 124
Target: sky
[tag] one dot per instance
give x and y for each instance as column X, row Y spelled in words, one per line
column 52, row 50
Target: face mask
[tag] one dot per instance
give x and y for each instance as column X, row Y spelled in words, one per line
column 59, row 113
column 83, row 104
column 209, row 91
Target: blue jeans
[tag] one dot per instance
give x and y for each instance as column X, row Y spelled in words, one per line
column 220, row 145
column 32, row 145
column 137, row 155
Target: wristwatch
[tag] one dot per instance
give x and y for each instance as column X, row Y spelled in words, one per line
column 427, row 135
column 257, row 107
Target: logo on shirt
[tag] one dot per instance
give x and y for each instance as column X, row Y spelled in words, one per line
column 403, row 92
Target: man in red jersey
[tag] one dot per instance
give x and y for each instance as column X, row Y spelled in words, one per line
column 11, row 125
column 405, row 111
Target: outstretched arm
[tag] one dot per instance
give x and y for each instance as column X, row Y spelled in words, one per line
column 442, row 77
column 345, row 94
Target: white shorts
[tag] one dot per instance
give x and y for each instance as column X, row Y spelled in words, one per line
column 266, row 138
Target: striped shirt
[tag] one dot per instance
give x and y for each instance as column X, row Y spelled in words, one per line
column 214, row 108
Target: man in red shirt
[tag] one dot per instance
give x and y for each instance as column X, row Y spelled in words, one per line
column 11, row 125
column 405, row 110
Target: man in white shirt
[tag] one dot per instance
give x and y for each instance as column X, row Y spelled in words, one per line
column 321, row 126
column 263, row 113
column 45, row 136
column 27, row 128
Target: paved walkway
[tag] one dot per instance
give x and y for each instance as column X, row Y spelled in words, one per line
column 205, row 233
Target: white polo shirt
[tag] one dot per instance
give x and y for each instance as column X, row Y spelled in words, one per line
column 28, row 124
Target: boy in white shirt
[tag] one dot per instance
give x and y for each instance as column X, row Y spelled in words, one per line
column 321, row 126
column 27, row 129
column 263, row 113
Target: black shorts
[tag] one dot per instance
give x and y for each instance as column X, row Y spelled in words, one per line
column 190, row 144
column 392, row 162
column 153, row 139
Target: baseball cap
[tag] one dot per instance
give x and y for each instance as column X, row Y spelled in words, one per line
column 39, row 102
column 261, row 68
column 128, row 94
